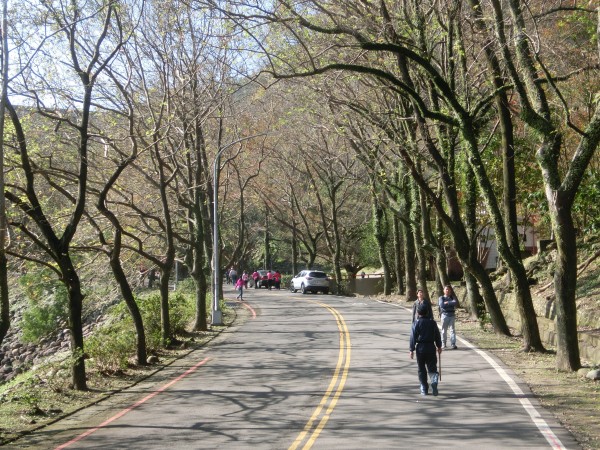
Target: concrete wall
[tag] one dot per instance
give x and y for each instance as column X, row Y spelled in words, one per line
column 365, row 286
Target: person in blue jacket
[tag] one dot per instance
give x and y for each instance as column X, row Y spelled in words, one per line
column 448, row 303
column 424, row 339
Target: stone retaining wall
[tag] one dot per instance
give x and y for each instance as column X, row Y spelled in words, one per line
column 17, row 357
column 589, row 341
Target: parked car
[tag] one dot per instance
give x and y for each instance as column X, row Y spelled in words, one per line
column 263, row 281
column 310, row 281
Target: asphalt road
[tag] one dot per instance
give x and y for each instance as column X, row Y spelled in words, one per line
column 314, row 371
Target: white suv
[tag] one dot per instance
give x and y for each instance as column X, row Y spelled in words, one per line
column 310, row 281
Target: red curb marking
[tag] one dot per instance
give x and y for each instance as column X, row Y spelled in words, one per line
column 135, row 405
column 247, row 306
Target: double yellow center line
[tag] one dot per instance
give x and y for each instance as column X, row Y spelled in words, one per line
column 320, row 416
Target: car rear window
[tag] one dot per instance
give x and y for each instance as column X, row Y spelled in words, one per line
column 317, row 275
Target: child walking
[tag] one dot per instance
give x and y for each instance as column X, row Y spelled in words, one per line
column 424, row 338
column 239, row 285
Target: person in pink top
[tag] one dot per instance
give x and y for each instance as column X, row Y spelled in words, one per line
column 239, row 285
column 277, row 279
column 255, row 277
column 269, row 279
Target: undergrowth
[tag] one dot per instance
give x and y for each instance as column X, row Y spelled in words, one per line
column 112, row 346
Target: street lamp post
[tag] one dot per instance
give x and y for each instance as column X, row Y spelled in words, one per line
column 217, row 316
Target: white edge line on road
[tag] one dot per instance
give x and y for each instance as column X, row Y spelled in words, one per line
column 537, row 419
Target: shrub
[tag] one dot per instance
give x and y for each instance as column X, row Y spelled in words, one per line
column 182, row 311
column 48, row 305
column 112, row 345
column 110, row 348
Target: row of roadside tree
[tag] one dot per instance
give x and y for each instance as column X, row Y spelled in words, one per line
column 356, row 134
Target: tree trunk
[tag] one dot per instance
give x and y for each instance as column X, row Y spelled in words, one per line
column 505, row 222
column 58, row 248
column 71, row 281
column 455, row 225
column 565, row 284
column 434, row 245
column 441, row 259
column 337, row 244
column 128, row 297
column 416, row 222
column 115, row 262
column 560, row 190
column 199, row 262
column 294, row 251
column 452, row 220
column 4, row 303
column 380, row 230
column 441, row 271
column 529, row 325
column 410, row 268
column 267, row 244
column 398, row 256
column 200, row 323
column 493, row 307
column 474, row 298
column 166, row 266
column 465, row 244
column 165, row 320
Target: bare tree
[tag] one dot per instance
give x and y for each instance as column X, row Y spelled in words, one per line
column 4, row 303
column 86, row 54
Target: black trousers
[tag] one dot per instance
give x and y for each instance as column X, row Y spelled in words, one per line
column 426, row 362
